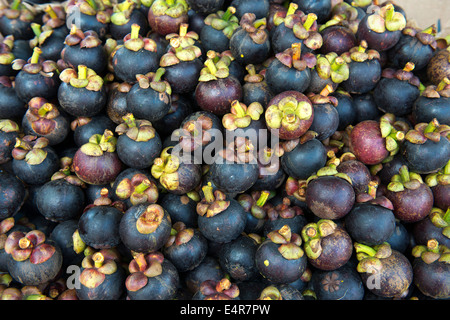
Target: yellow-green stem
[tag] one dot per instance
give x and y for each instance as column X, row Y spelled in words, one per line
column 310, row 21
column 36, row 53
column 82, row 72
column 229, row 13
column 51, row 12
column 208, row 193
column 135, row 31
column 263, row 198
column 36, row 29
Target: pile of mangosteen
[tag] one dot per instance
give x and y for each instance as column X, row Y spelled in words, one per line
column 222, row 149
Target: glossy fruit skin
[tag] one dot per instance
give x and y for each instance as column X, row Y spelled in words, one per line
column 378, row 41
column 426, row 109
column 345, row 109
column 59, row 200
column 126, row 68
column 432, row 279
column 395, row 96
column 162, row 287
column 441, row 194
column 180, row 208
column 97, row 125
column 56, row 136
column 216, row 96
column 438, row 66
column 213, row 39
column 187, row 256
column 343, row 283
column 394, row 278
column 80, row 102
column 39, row 173
column 94, row 58
column 428, row 157
column 367, row 144
column 226, row 225
column 321, row 8
column 234, row 177
column 412, row 205
column 296, row 224
column 401, row 238
column 99, row 227
column 208, row 269
column 118, row 32
column 337, row 250
column 90, row 22
column 278, row 270
column 62, row 236
column 138, row 154
column 246, row 51
column 205, row 6
column 363, row 76
column 365, row 107
column 358, row 173
column 165, row 24
column 370, row 224
column 183, row 77
column 330, row 197
column 410, row 49
column 29, row 85
column 112, row 288
column 147, row 104
column 16, row 27
column 312, row 155
column 97, row 170
column 281, row 78
column 425, row 230
column 11, row 106
column 326, row 120
column 29, row 274
column 237, row 258
column 337, row 39
column 14, row 194
column 260, row 7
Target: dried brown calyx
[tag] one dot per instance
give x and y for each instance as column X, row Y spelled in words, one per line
column 182, row 47
column 138, row 189
column 180, row 235
column 323, row 97
column 404, row 74
column 41, row 114
column 361, row 53
column 35, row 65
column 225, row 21
column 432, row 252
column 54, row 17
column 105, row 200
column 256, row 203
column 288, row 241
column 171, row 8
column 269, row 160
column 66, row 172
column 6, row 47
column 270, row 293
column 154, row 80
column 296, row 188
column 241, row 115
column 331, row 66
column 441, row 219
column 5, row 226
column 223, row 289
column 386, row 19
column 213, row 202
column 437, row 91
column 215, row 66
column 284, row 210
column 142, row 267
column 122, row 12
column 165, row 169
column 256, row 28
column 84, row 77
column 424, row 131
column 100, row 9
column 17, row 10
column 135, row 129
column 241, row 150
column 294, row 58
column 312, row 235
column 97, row 266
column 7, row 125
column 369, row 257
column 30, row 149
column 133, row 41
column 426, row 36
column 253, row 76
column 40, row 35
column 150, row 219
column 196, row 133
column 86, row 39
column 31, row 245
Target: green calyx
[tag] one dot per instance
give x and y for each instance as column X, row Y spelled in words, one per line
column 369, row 257
column 182, row 47
column 432, row 252
column 389, row 131
column 442, row 177
column 137, row 130
column 441, row 219
column 293, row 58
column 332, row 66
column 386, row 19
column 154, row 81
column 424, row 131
column 171, row 8
column 83, row 78
column 225, row 21
column 215, row 67
column 241, row 116
column 290, row 243
column 327, row 171
column 122, row 12
column 165, row 168
column 288, row 113
column 312, row 235
column 100, row 143
column 7, row 125
column 256, row 28
column 405, row 180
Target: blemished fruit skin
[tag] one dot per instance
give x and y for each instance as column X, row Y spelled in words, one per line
column 184, row 149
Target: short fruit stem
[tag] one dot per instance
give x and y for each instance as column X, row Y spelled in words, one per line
column 431, row 127
column 310, row 21
column 47, row 107
column 362, row 248
column 142, row 186
column 82, row 72
column 158, row 75
column 292, row 8
column 208, row 193
column 404, row 173
column 260, row 22
column 170, row 2
column 409, row 67
column 211, row 67
column 183, row 29
column 326, row 91
column 24, row 243
column 51, row 12
column 297, row 47
column 444, row 82
column 135, row 31
column 98, row 259
column 389, row 12
column 92, row 4
column 227, row 15
column 263, row 198
column 16, row 4
column 240, row 112
column 36, row 29
column 337, row 63
column 36, row 53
